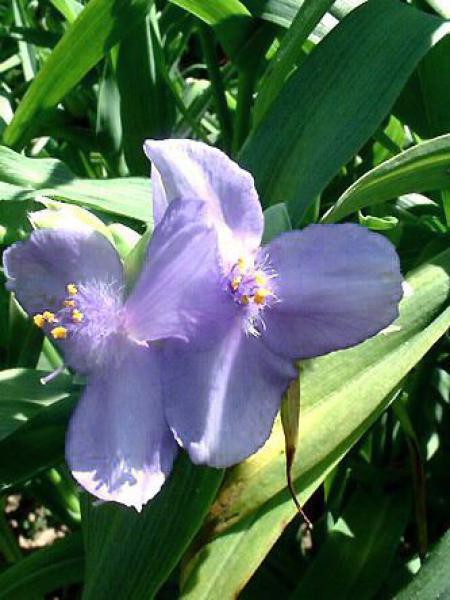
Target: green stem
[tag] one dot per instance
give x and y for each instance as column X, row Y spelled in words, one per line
column 246, row 83
column 207, row 40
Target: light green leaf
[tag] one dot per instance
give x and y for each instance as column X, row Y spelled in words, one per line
column 333, row 104
column 70, row 9
column 283, row 12
column 440, row 6
column 58, row 215
column 213, row 13
column 99, row 27
column 378, row 223
column 25, row 178
column 422, row 168
column 342, row 395
column 125, row 238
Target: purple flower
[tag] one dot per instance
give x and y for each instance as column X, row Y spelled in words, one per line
column 119, row 445
column 304, row 294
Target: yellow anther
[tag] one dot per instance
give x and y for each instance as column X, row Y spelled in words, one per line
column 59, row 333
column 235, row 282
column 260, row 278
column 39, row 320
column 242, row 264
column 49, row 316
column 261, row 295
column 72, row 289
column 69, row 303
column 77, row 316
column 245, row 299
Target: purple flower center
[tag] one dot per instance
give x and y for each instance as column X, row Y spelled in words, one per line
column 250, row 284
column 91, row 315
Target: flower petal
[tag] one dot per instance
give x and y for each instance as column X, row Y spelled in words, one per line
column 180, row 285
column 118, row 445
column 195, row 170
column 39, row 269
column 221, row 403
column 337, row 285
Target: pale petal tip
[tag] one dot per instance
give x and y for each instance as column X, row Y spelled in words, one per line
column 136, row 496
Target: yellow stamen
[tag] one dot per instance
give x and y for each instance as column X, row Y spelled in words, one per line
column 242, row 264
column 244, row 299
column 260, row 278
column 69, row 303
column 39, row 321
column 261, row 295
column 77, row 316
column 49, row 316
column 72, row 289
column 59, row 333
column 235, row 283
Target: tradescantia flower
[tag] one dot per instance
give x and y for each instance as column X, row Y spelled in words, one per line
column 119, row 446
column 304, row 294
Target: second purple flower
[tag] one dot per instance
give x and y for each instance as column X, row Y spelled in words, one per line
column 304, row 294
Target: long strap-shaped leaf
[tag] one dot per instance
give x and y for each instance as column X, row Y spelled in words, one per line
column 130, row 554
column 97, row 29
column 336, row 100
column 421, row 168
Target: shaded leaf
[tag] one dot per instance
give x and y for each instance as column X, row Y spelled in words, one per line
column 334, row 103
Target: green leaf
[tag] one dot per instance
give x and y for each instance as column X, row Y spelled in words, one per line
column 14, row 224
column 136, row 257
column 230, row 20
column 22, row 397
column 309, row 14
column 132, row 553
column 342, row 395
column 33, row 177
column 41, row 429
column 149, row 111
column 433, row 579
column 108, row 127
column 99, row 27
column 45, row 571
column 423, row 104
column 422, row 168
column 70, row 9
column 334, row 102
column 359, row 549
column 213, row 13
column 378, row 223
column 440, row 6
column 276, row 220
column 57, row 215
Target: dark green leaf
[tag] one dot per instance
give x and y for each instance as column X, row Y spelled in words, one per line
column 132, row 553
column 45, row 571
column 359, row 549
column 331, row 106
column 433, row 580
